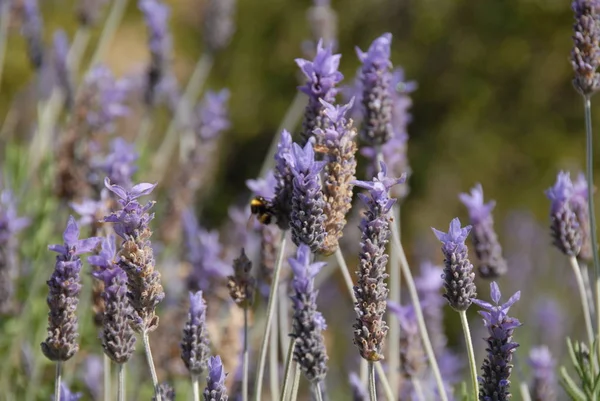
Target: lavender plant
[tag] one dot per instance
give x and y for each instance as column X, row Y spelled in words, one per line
column 215, row 382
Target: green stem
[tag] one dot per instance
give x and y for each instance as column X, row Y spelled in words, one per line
column 121, row 388
column 364, row 372
column 113, row 21
column 394, row 325
column 288, row 370
column 584, row 301
column 274, row 356
column 372, row 385
column 57, row 378
column 296, row 384
column 525, row 396
column 284, row 321
column 107, row 381
column 146, row 341
column 245, row 360
column 80, row 42
column 345, row 273
column 418, row 389
column 318, row 391
column 196, row 387
column 270, row 312
column 414, row 296
column 470, row 352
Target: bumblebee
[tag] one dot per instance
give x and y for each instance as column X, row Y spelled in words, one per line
column 263, row 209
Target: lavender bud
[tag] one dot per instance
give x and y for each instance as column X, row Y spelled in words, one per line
column 359, row 392
column 241, row 285
column 585, row 56
column 376, row 100
column 322, row 75
column 485, row 241
column 66, row 394
column 131, row 223
column 413, row 361
column 156, row 14
column 215, row 382
column 371, row 290
column 219, row 25
column 64, row 287
column 458, row 271
column 544, row 380
column 307, row 216
column 61, row 69
column 195, row 348
column 494, row 384
column 166, row 391
column 564, row 226
column 118, row 337
column 307, row 322
column 338, row 173
column 32, row 30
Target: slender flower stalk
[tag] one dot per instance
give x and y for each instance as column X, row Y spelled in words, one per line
column 65, row 394
column 109, row 28
column 215, row 382
column 289, row 366
column 372, row 383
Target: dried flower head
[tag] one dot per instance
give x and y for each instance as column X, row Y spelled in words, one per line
column 371, row 290
column 485, row 241
column 195, row 347
column 564, row 226
column 241, row 285
column 376, row 100
column 322, row 76
column 494, row 383
column 544, row 378
column 585, row 56
column 64, row 287
column 458, row 271
column 215, row 382
column 307, row 218
column 219, row 25
column 131, row 223
column 307, row 322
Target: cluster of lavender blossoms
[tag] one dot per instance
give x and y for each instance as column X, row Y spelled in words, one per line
column 375, row 79
column 131, row 223
column 458, row 271
column 64, row 287
column 371, row 290
column 585, row 56
column 565, row 226
column 195, row 346
column 322, row 76
column 485, row 240
column 215, row 381
column 307, row 323
column 497, row 367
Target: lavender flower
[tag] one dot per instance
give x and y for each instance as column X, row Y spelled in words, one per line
column 494, row 383
column 371, row 290
column 284, row 187
column 32, row 30
column 61, row 69
column 413, row 361
column 64, row 286
column 544, row 380
column 166, row 391
column 376, row 100
column 204, row 254
column 10, row 225
column 215, row 382
column 66, row 394
column 564, row 226
column 579, row 204
column 307, row 216
column 585, row 56
column 359, row 392
column 241, row 285
column 156, row 14
column 118, row 337
column 485, row 241
column 93, row 373
column 195, row 348
column 322, row 75
column 307, row 323
column 338, row 173
column 119, row 164
column 131, row 223
column 458, row 271
column 429, row 283
column 219, row 25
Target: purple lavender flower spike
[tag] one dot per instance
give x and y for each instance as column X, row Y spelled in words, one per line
column 322, row 76
column 66, row 394
column 93, row 372
column 131, row 223
column 156, row 14
column 61, row 69
column 64, row 287
column 32, row 30
column 282, row 203
column 104, row 99
column 219, row 24
column 376, row 100
column 241, row 285
column 119, row 164
column 215, row 382
column 307, row 322
column 307, row 217
column 359, row 391
column 565, row 228
column 195, row 347
column 458, row 271
column 485, row 241
column 494, row 384
column 585, row 56
column 413, row 361
column 544, row 378
column 212, row 115
column 579, row 204
column 371, row 290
